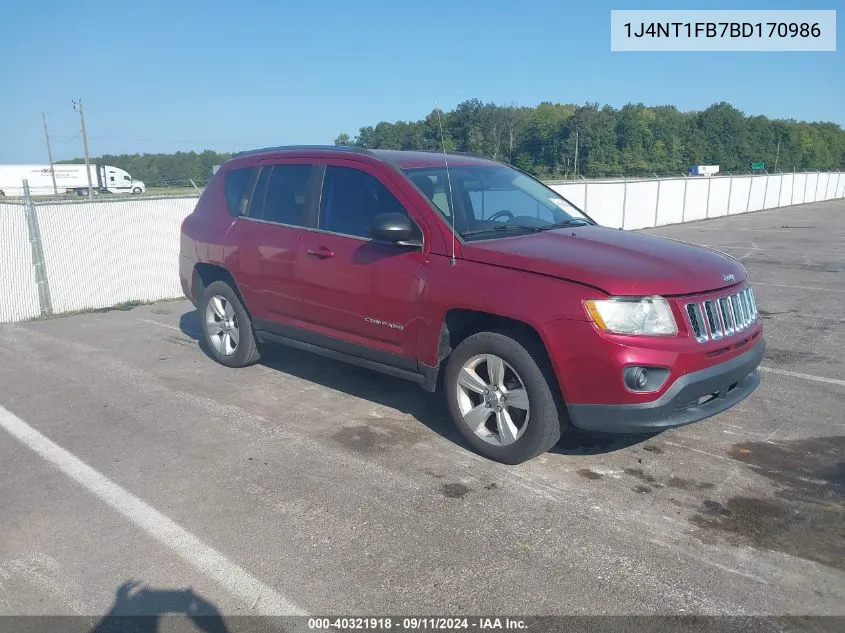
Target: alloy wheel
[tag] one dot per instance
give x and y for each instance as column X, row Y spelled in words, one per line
column 222, row 325
column 492, row 399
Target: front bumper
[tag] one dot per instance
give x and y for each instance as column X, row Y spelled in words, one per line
column 726, row 384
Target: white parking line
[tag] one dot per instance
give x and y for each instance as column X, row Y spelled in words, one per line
column 764, row 283
column 756, row 248
column 734, row 228
column 798, row 374
column 166, row 531
column 169, row 327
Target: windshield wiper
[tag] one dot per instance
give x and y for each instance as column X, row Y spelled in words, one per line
column 502, row 228
column 533, row 229
column 565, row 223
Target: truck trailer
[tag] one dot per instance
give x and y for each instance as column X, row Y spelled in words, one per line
column 70, row 179
column 703, row 170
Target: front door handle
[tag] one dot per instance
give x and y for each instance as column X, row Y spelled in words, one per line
column 322, row 252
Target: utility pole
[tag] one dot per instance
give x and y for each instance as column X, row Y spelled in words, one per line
column 77, row 105
column 777, row 155
column 575, row 174
column 50, row 154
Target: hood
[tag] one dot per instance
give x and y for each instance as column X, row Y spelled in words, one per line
column 618, row 262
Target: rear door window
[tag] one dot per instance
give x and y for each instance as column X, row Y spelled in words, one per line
column 236, row 186
column 282, row 194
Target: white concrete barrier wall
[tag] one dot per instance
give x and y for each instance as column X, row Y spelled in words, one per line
column 830, row 190
column 103, row 253
column 695, row 207
column 606, row 199
column 19, row 299
column 758, row 193
column 799, row 187
column 718, row 196
column 740, row 193
column 670, row 203
column 771, row 192
column 643, row 203
column 575, row 192
column 786, row 189
column 640, row 204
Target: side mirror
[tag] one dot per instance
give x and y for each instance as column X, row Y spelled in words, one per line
column 391, row 227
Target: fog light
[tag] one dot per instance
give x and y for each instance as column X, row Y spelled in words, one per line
column 639, row 378
column 636, row 378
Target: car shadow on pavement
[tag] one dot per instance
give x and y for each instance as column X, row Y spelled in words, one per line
column 428, row 408
column 578, row 442
column 369, row 385
column 141, row 609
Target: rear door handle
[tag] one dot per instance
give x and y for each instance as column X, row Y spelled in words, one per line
column 322, row 252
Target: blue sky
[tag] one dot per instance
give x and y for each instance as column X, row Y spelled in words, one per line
column 185, row 75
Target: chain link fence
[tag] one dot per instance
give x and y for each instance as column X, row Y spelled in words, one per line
column 17, row 274
column 68, row 256
column 60, row 257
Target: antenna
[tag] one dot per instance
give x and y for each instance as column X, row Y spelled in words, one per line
column 448, row 179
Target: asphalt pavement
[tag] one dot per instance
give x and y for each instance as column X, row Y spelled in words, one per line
column 303, row 485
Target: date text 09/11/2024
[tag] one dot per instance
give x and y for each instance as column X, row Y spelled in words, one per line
column 417, row 624
column 722, row 29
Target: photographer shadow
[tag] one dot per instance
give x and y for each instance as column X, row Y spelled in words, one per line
column 140, row 609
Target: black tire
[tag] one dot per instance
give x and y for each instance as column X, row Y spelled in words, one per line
column 246, row 352
column 547, row 414
column 137, row 191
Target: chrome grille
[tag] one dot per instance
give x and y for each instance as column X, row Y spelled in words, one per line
column 746, row 302
column 727, row 315
column 696, row 320
column 714, row 319
column 713, row 322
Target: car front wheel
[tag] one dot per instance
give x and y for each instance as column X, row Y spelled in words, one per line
column 501, row 398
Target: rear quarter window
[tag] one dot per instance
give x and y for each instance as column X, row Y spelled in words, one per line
column 236, row 187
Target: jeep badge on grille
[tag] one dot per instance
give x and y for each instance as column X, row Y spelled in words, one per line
column 728, row 277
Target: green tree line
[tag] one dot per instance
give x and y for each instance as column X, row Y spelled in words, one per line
column 165, row 170
column 636, row 140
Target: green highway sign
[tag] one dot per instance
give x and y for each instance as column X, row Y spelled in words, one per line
column 758, row 165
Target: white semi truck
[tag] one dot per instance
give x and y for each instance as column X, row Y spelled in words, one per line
column 69, row 179
column 703, row 170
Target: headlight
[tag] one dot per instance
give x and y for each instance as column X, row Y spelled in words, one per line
column 649, row 316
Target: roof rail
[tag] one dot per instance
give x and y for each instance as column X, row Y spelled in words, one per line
column 455, row 152
column 329, row 148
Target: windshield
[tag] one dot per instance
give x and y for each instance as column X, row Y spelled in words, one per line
column 494, row 201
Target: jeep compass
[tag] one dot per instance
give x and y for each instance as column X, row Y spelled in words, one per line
column 469, row 277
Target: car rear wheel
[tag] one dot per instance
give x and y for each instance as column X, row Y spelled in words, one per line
column 226, row 327
column 501, row 398
column 137, row 190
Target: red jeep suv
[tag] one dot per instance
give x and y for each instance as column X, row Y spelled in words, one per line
column 464, row 274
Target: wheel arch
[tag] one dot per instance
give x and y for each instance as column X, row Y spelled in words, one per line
column 206, row 274
column 460, row 323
